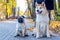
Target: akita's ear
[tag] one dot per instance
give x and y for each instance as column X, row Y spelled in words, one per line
column 43, row 4
column 37, row 4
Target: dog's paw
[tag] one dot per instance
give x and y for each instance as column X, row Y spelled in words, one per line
column 44, row 36
column 16, row 35
column 26, row 35
column 37, row 37
column 48, row 35
column 34, row 35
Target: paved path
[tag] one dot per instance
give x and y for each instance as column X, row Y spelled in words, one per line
column 7, row 32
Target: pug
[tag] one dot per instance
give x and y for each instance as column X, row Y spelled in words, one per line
column 21, row 27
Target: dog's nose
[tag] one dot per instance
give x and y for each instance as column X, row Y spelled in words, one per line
column 37, row 10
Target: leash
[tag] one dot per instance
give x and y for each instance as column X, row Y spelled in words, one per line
column 28, row 8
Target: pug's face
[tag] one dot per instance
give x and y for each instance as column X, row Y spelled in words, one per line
column 40, row 8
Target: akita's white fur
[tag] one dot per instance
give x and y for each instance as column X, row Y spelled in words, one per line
column 42, row 20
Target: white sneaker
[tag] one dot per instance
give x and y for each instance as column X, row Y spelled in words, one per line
column 48, row 35
column 37, row 37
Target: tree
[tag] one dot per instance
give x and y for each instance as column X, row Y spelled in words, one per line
column 31, row 8
column 14, row 7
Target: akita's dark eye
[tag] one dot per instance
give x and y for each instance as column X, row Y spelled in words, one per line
column 40, row 8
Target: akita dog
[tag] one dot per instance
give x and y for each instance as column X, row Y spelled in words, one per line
column 42, row 20
column 21, row 27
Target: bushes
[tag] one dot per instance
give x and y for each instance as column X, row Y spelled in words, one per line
column 57, row 15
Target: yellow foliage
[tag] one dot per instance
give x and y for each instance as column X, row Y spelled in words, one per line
column 54, row 23
column 1, row 4
column 21, row 13
column 31, row 28
column 2, row 0
column 57, row 6
column 31, row 21
column 14, row 3
column 9, row 10
column 27, row 13
column 2, row 7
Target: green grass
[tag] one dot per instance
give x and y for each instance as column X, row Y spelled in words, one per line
column 57, row 17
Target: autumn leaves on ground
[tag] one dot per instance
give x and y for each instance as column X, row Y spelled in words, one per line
column 55, row 26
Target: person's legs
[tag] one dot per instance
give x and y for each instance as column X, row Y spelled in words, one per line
column 52, row 14
column 49, row 14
